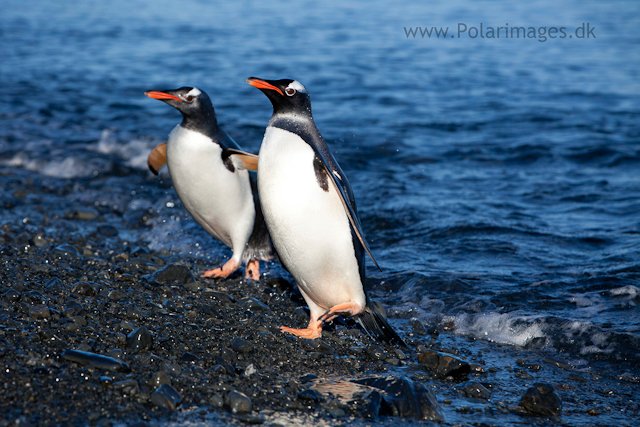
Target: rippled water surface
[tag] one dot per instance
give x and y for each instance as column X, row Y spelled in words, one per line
column 498, row 181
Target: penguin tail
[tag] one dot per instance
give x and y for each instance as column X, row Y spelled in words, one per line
column 374, row 321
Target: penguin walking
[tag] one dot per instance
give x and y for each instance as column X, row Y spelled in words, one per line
column 310, row 211
column 212, row 182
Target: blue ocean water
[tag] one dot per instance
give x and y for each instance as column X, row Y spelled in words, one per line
column 497, row 179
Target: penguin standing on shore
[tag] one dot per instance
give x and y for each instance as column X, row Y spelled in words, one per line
column 212, row 182
column 310, row 211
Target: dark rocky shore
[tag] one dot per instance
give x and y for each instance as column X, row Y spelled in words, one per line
column 99, row 330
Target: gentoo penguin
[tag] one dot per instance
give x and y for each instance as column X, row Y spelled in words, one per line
column 310, row 211
column 212, row 182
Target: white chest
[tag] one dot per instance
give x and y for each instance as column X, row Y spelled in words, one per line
column 308, row 225
column 220, row 201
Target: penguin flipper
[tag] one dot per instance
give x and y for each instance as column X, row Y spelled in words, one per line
column 375, row 323
column 157, row 158
column 241, row 159
column 353, row 217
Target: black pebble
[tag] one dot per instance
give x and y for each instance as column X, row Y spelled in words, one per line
column 166, row 397
column 140, row 339
column 309, row 395
column 171, row 273
column 96, row 360
column 238, row 402
column 189, row 357
column 250, row 303
column 108, row 231
column 541, row 399
column 443, row 365
column 474, row 390
column 405, row 398
column 241, row 346
column 12, row 296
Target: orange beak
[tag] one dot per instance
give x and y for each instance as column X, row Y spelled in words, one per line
column 160, row 95
column 261, row 84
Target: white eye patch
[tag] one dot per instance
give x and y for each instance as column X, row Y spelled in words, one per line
column 194, row 92
column 297, row 86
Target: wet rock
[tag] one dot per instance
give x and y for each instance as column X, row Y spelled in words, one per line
column 577, row 378
column 216, row 401
column 400, row 354
column 166, row 397
column 39, row 312
column 35, row 296
column 318, row 346
column 73, row 308
column 79, row 320
column 209, row 310
column 443, row 365
column 68, row 250
column 85, row 214
column 251, row 419
column 375, row 352
column 140, row 339
column 51, row 338
column 417, row 327
column 171, row 273
column 522, row 374
column 170, row 305
column 250, row 303
column 370, row 405
column 96, row 360
column 85, row 288
column 221, row 297
column 336, row 412
column 301, row 313
column 134, row 312
column 12, row 296
column 172, row 369
column 531, row 366
column 557, row 363
column 238, row 402
column 474, row 390
column 115, row 295
column 53, row 284
column 541, row 399
column 188, row 357
column 39, row 241
column 249, row 370
column 477, row 369
column 129, row 387
column 107, row 231
column 241, row 346
column 116, row 353
column 309, row 395
column 405, row 398
column 194, row 286
column 307, row 378
column 126, row 326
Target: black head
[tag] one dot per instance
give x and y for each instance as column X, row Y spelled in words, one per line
column 194, row 104
column 286, row 96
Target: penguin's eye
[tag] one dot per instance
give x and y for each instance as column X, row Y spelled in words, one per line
column 189, row 98
column 290, row 91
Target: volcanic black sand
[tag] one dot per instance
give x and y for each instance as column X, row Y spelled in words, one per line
column 98, row 330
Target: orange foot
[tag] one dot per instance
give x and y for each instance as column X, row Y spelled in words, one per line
column 224, row 271
column 313, row 331
column 252, row 270
column 344, row 309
